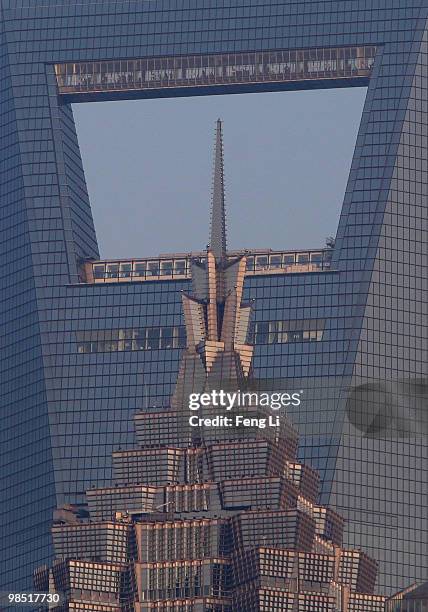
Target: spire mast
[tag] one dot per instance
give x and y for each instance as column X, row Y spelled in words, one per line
column 218, row 215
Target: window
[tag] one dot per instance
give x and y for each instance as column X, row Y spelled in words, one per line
column 125, row 270
column 262, row 332
column 112, row 270
column 262, row 262
column 167, row 337
column 153, row 337
column 153, row 268
column 275, row 261
column 180, row 266
column 98, row 271
column 166, row 268
column 139, row 269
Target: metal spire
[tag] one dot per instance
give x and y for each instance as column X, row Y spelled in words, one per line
column 218, row 216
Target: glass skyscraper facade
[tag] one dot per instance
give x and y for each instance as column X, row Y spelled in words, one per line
column 85, row 344
column 210, row 512
column 412, row 599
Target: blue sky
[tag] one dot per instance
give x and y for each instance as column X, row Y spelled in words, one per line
column 148, row 165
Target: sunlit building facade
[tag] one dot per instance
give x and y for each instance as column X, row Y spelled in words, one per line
column 412, row 599
column 87, row 343
column 209, row 518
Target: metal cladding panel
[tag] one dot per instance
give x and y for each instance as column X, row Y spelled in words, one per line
column 365, row 603
column 193, row 538
column 258, row 493
column 155, row 429
column 105, row 503
column 255, row 563
column 288, row 528
column 237, row 459
column 357, row 569
column 184, row 579
column 155, row 467
column 111, row 581
column 305, row 479
column 102, row 541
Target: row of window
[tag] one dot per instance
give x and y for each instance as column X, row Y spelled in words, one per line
column 153, row 268
column 279, row 332
column 182, row 71
column 140, row 269
column 174, row 337
column 142, row 339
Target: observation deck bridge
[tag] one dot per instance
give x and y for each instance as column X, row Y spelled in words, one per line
column 176, row 266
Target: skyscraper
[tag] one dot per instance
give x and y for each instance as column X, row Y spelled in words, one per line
column 211, row 512
column 85, row 342
column 412, row 599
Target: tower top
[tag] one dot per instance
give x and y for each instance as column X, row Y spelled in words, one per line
column 218, row 214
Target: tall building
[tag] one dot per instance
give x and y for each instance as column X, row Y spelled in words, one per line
column 411, row 599
column 211, row 512
column 86, row 343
